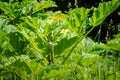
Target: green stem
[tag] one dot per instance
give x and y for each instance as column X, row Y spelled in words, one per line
column 51, row 43
column 52, row 53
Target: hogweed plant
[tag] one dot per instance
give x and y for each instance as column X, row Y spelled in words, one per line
column 43, row 45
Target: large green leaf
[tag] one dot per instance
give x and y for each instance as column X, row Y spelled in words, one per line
column 104, row 9
column 114, row 44
column 91, row 47
column 64, row 44
column 77, row 20
column 14, row 11
column 44, row 4
column 31, row 37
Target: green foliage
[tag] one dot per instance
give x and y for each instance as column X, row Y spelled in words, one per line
column 39, row 45
column 78, row 20
column 104, row 9
column 114, row 43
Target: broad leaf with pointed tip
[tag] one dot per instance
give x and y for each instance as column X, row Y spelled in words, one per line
column 104, row 9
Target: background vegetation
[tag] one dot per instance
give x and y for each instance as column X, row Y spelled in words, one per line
column 59, row 40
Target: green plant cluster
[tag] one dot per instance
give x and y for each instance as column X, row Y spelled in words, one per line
column 36, row 44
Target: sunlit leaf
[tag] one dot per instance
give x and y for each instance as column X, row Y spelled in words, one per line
column 104, row 9
column 64, row 44
column 77, row 20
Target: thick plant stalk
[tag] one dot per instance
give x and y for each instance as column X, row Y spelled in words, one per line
column 51, row 53
column 51, row 44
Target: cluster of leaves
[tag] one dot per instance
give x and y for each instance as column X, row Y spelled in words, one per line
column 36, row 45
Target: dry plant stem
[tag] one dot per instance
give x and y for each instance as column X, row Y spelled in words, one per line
column 79, row 40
